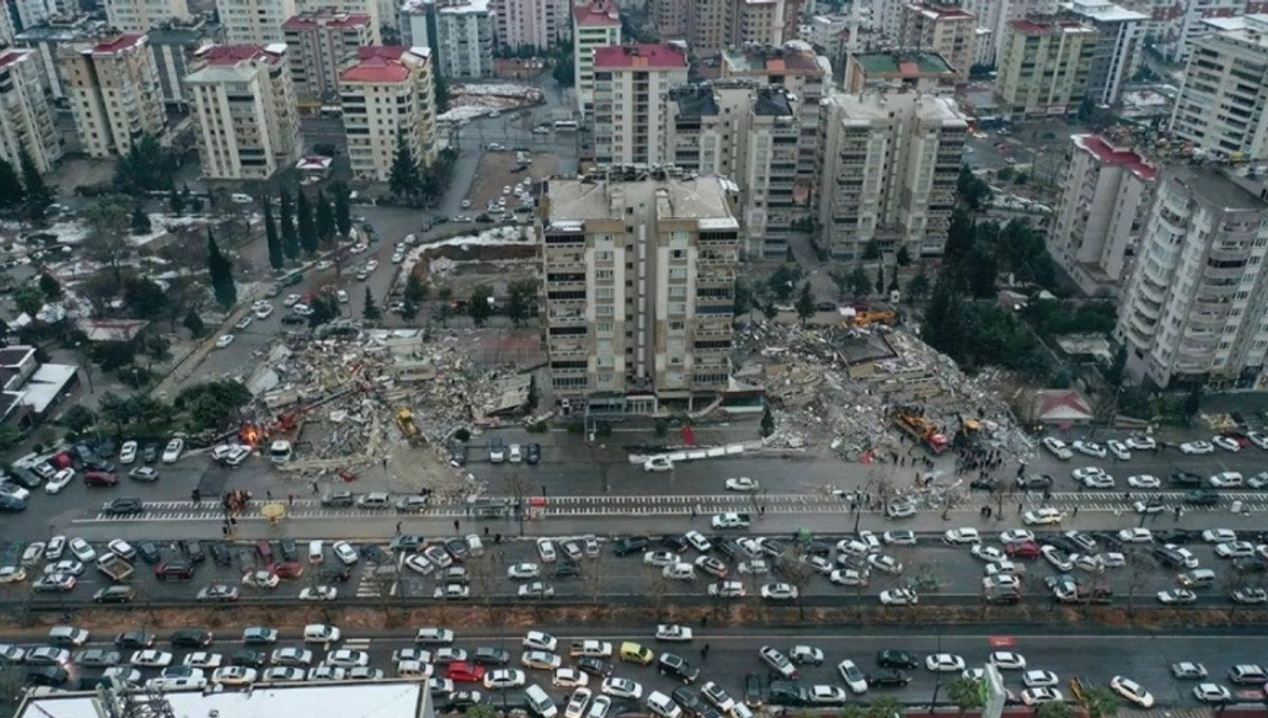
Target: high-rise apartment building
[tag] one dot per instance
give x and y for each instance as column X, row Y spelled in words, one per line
column 888, row 172
column 669, row 17
column 245, row 111
column 114, row 95
column 175, row 45
column 1107, row 190
column 141, row 15
column 254, row 22
column 32, row 13
column 749, row 132
column 1177, row 24
column 594, row 24
column 709, row 26
column 757, row 22
column 1044, row 65
column 388, row 95
column 533, row 23
column 631, row 88
column 465, row 37
column 712, row 26
column 26, row 121
column 1222, row 108
column 948, row 30
column 1121, row 34
column 48, row 40
column 639, row 290
column 919, row 71
column 321, row 43
column 1196, row 308
column 994, row 15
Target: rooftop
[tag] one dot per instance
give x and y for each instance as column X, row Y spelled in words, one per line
column 382, row 63
column 183, row 31
column 80, row 30
column 386, row 699
column 326, row 18
column 230, row 55
column 1251, row 29
column 124, row 42
column 772, row 102
column 13, row 55
column 870, row 106
column 571, row 201
column 650, row 56
column 472, row 7
column 903, row 63
column 1218, row 188
column 694, row 101
column 1100, row 148
column 1039, row 27
column 755, row 59
column 1102, row 11
column 941, row 12
column 599, row 13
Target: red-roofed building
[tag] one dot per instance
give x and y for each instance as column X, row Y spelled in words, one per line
column 595, row 25
column 387, row 93
column 1101, row 217
column 1058, row 407
column 95, row 77
column 631, row 89
column 26, row 120
column 321, row 43
column 947, row 30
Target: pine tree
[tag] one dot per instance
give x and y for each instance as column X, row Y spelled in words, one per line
column 38, row 195
column 140, row 222
column 880, row 279
column 371, row 311
column 307, row 228
column 343, row 214
column 403, row 179
column 11, row 192
column 221, row 271
column 325, row 218
column 290, row 237
column 768, row 423
column 277, row 258
column 805, row 303
column 176, row 202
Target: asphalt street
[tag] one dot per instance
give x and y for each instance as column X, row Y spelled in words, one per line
column 732, row 655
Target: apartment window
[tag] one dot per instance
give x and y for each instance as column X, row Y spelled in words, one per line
column 678, row 273
column 603, row 274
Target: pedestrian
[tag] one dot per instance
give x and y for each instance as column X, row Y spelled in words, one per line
column 314, row 487
column 224, row 531
column 233, row 521
column 398, row 528
column 290, row 499
column 486, row 531
column 385, row 463
column 704, row 652
column 1019, row 508
column 761, row 510
column 704, row 621
column 693, row 513
column 268, row 495
column 455, row 525
column 1075, row 512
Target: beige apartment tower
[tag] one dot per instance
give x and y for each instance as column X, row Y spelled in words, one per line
column 947, row 30
column 594, row 25
column 320, row 44
column 254, row 22
column 631, row 90
column 142, row 15
column 639, row 290
column 388, row 95
column 1044, row 66
column 114, row 94
column 26, row 120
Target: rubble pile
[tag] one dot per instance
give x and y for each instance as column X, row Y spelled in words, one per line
column 841, row 385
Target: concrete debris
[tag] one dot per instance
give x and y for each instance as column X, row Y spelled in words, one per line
column 840, row 386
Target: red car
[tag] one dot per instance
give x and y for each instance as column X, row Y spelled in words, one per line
column 100, row 478
column 463, row 672
column 287, row 569
column 1025, row 549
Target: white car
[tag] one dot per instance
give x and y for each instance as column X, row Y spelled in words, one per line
column 13, row 574
column 621, row 688
column 1057, row 448
column 151, row 658
column 1235, row 549
column 318, row 593
column 1132, row 691
column 1144, row 481
column 504, row 678
column 1008, row 661
column 1016, row 536
column 1197, row 448
column 679, row 571
column 1119, row 450
column 698, row 541
column 849, row 577
column 1258, row 439
column 990, row 554
column 172, row 452
column 1176, row 596
column 1039, row 696
column 234, row 676
column 59, row 481
column 660, row 559
column 454, row 592
column 716, row 695
column 777, row 661
column 806, row 655
column 1226, row 480
column 66, row 567
column 546, row 550
column 524, row 571
column 540, row 660
column 283, row 673
column 730, row 521
column 1227, row 443
column 779, row 592
column 539, row 641
column 1042, row 517
column 203, row 659
column 262, row 578
column 224, row 340
column 1219, row 535
column 570, row 678
column 1141, row 443
column 1057, row 558
column 900, row 538
column 1089, row 448
column 824, row 695
column 885, row 564
column 127, row 453
column 346, row 658
column 944, row 663
column 658, row 463
column 82, row 550
column 244, row 323
column 899, row 597
column 1082, row 473
column 962, row 536
column 56, row 546
column 358, row 248
column 578, row 703
column 755, row 567
column 727, row 589
column 1099, row 481
column 1136, row 535
column 344, row 552
column 1188, row 670
column 264, row 311
column 1212, row 693
column 673, row 632
column 1040, row 679
column 1252, row 596
column 853, row 678
column 743, row 484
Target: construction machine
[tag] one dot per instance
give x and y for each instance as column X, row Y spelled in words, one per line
column 921, row 429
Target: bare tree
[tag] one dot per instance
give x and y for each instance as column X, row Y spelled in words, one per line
column 797, row 573
column 518, row 485
column 592, row 580
column 1139, row 571
column 107, row 240
column 658, row 591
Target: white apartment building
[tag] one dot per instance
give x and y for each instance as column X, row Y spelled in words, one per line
column 321, row 43
column 26, row 121
column 141, row 15
column 535, row 23
column 254, row 22
column 1196, row 308
column 1117, row 55
column 1106, row 196
column 947, row 30
column 1178, row 24
column 1222, row 107
column 994, row 15
column 465, row 37
column 758, row 22
column 888, row 173
column 114, row 93
column 32, row 13
column 594, row 24
column 639, row 290
column 415, row 15
column 388, row 93
column 747, row 131
column 631, row 90
column 245, row 111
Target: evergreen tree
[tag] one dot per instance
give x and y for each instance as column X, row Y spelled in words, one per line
column 307, row 228
column 904, row 256
column 38, row 195
column 175, row 202
column 415, row 290
column 221, row 271
column 403, row 178
column 277, row 258
column 371, row 311
column 140, row 222
column 290, row 237
column 805, row 303
column 11, row 192
column 51, row 287
column 343, row 215
column 325, row 218
column 768, row 423
column 880, row 279
column 194, row 323
column 479, row 306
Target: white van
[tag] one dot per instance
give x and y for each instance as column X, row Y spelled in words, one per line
column 280, row 451
column 475, row 546
column 321, row 633
column 540, row 703
column 316, row 554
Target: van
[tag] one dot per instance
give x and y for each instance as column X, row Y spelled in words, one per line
column 1197, row 578
column 315, row 552
column 634, row 653
column 413, row 670
column 1247, row 674
column 475, row 546
column 539, row 702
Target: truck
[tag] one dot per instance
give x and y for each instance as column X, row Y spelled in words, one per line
column 921, row 429
column 114, row 567
column 405, row 420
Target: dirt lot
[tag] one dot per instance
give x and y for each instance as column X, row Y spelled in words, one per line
column 494, row 173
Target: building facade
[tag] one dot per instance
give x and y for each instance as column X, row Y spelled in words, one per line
column 631, row 90
column 142, row 15
column 1178, row 24
column 26, row 120
column 254, row 22
column 594, row 24
column 1044, row 66
column 114, row 95
column 533, row 23
column 175, row 44
column 245, row 111
column 757, row 22
column 639, row 290
column 669, row 17
column 1121, row 35
column 888, row 172
column 320, row 44
column 465, row 35
column 1222, row 108
column 388, row 95
column 947, row 30
column 1196, row 308
column 48, row 39
column 1106, row 196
